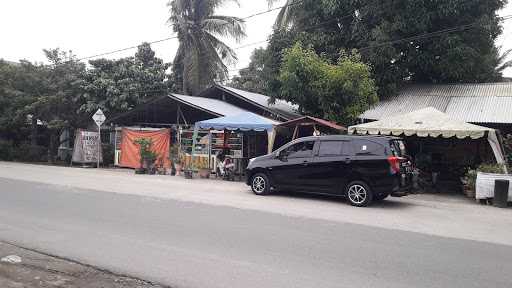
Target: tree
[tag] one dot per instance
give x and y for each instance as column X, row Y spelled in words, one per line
column 338, row 91
column 119, row 85
column 503, row 61
column 202, row 56
column 464, row 52
column 253, row 78
column 56, row 99
column 20, row 84
column 288, row 13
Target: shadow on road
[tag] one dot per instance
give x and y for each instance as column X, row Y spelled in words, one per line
column 388, row 203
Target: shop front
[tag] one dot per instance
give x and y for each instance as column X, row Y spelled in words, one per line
column 443, row 149
column 239, row 137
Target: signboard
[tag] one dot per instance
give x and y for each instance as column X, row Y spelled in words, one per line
column 86, row 147
column 99, row 118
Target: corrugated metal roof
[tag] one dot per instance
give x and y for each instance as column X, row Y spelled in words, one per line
column 326, row 123
column 213, row 105
column 263, row 100
column 476, row 103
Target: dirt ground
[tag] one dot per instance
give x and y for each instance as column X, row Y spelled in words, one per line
column 41, row 271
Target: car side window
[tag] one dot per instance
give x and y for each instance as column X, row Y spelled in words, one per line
column 365, row 147
column 300, row 150
column 330, row 148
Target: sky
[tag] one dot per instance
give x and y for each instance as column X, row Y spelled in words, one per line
column 97, row 26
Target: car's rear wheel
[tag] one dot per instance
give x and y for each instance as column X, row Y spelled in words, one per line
column 260, row 184
column 359, row 194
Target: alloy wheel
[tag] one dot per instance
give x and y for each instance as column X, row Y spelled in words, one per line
column 258, row 184
column 357, row 194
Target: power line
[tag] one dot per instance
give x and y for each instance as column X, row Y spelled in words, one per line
column 459, row 28
column 125, row 49
column 273, row 9
column 176, row 37
column 412, row 38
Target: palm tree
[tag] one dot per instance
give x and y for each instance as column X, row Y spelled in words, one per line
column 287, row 14
column 202, row 57
column 503, row 60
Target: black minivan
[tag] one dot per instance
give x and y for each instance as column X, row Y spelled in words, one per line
column 361, row 168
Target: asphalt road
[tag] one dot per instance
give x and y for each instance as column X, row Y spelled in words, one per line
column 185, row 244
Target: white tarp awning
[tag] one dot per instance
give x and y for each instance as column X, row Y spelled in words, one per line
column 429, row 122
column 426, row 122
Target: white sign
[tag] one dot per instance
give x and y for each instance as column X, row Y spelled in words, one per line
column 99, row 117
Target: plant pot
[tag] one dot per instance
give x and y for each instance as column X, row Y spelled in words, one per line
column 140, row 171
column 204, row 173
column 189, row 174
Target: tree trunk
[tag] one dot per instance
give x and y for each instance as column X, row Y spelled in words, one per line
column 185, row 84
column 33, row 132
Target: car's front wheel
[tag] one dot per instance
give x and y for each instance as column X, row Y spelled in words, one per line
column 260, row 184
column 359, row 194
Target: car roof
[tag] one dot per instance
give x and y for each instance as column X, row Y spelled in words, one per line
column 349, row 137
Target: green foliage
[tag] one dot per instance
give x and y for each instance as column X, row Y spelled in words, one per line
column 471, row 174
column 24, row 152
column 44, row 94
column 337, row 91
column 119, row 85
column 467, row 54
column 6, row 150
column 253, row 77
column 39, row 101
column 202, row 56
column 108, row 153
column 507, row 144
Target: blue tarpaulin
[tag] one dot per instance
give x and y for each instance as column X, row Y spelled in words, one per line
column 245, row 122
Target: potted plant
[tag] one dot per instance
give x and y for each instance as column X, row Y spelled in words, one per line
column 147, row 157
column 469, row 182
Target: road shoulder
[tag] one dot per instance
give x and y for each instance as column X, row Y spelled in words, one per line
column 40, row 270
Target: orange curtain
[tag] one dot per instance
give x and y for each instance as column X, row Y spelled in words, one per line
column 130, row 155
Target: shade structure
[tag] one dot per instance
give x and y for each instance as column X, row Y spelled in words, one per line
column 426, row 122
column 246, row 121
column 430, row 122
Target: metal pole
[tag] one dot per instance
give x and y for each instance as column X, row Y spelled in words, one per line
column 99, row 145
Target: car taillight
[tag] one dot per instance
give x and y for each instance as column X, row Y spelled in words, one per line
column 394, row 164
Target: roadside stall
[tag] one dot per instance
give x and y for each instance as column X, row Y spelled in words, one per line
column 302, row 127
column 241, row 137
column 440, row 146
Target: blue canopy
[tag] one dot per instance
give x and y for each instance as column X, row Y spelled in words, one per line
column 244, row 121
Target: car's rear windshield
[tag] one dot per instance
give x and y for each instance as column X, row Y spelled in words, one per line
column 397, row 148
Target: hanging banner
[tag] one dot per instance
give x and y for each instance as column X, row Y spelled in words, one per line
column 86, row 147
column 130, row 155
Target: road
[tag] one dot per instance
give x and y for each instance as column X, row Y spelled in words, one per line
column 184, row 243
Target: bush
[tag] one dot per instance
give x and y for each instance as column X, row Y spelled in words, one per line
column 28, row 153
column 23, row 152
column 507, row 144
column 6, row 150
column 108, row 154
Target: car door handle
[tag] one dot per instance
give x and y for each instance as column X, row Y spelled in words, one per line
column 305, row 163
column 347, row 160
